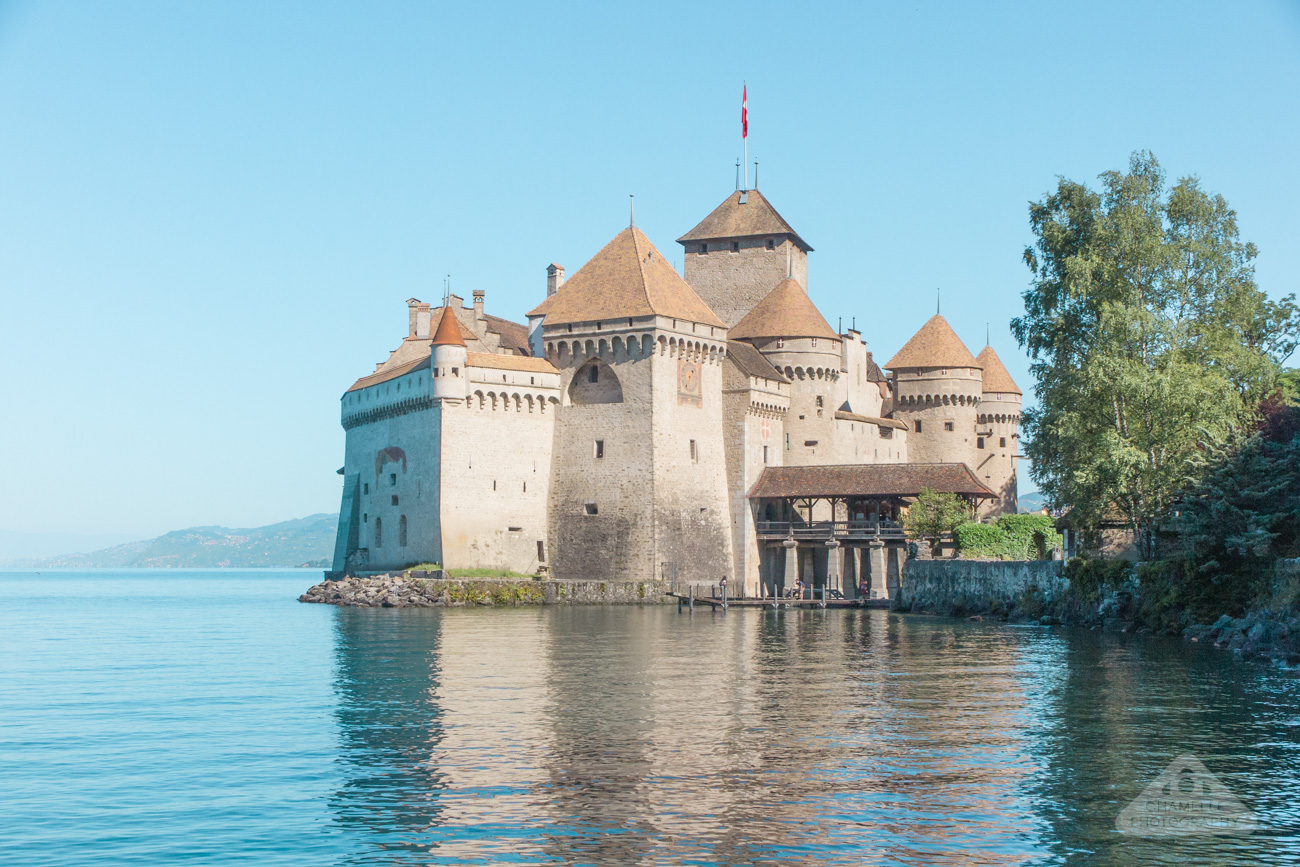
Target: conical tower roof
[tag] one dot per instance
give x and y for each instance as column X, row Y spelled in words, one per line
column 786, row 311
column 448, row 332
column 935, row 345
column 996, row 377
column 743, row 214
column 628, row 277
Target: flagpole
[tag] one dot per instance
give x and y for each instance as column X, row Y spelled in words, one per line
column 744, row 129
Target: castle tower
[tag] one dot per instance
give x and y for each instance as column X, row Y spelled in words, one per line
column 796, row 339
column 737, row 254
column 449, row 358
column 937, row 392
column 638, row 484
column 998, row 434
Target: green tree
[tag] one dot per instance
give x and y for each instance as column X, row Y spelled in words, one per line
column 934, row 514
column 1144, row 326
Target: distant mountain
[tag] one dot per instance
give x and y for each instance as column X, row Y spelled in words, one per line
column 14, row 545
column 1032, row 502
column 305, row 541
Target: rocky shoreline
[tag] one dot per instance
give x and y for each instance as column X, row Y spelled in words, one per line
column 428, row 590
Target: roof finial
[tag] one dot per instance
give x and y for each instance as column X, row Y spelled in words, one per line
column 737, row 174
column 988, row 340
column 631, row 217
column 938, row 296
column 756, row 174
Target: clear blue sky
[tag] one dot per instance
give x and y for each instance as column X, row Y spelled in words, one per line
column 211, row 213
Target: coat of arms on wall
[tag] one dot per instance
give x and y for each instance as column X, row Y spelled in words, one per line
column 688, row 383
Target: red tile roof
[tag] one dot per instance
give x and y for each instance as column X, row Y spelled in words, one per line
column 868, row 480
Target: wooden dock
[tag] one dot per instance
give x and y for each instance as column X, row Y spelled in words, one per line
column 689, row 601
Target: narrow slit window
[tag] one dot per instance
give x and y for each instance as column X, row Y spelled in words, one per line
column 600, row 449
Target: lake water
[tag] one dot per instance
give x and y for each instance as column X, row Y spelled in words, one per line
column 209, row 718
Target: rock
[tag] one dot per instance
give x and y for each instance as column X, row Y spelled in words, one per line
column 304, row 598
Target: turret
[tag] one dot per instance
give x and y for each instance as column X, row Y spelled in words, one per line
column 998, row 434
column 448, row 359
column 937, row 392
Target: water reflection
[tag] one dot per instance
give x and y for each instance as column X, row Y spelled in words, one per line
column 641, row 736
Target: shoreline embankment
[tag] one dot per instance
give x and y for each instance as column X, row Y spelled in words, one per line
column 433, row 589
column 1040, row 592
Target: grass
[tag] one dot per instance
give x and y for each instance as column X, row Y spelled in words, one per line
column 485, row 573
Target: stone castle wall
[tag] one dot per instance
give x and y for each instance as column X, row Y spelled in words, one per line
column 996, row 467
column 732, row 283
column 936, row 399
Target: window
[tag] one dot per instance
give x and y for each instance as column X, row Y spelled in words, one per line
column 764, row 455
column 771, row 244
column 947, row 426
column 593, row 374
column 979, row 442
column 810, row 443
column 401, row 531
column 1003, row 442
column 455, row 371
column 365, row 489
column 918, row 425
column 494, row 486
column 695, row 455
column 435, row 373
column 394, row 499
column 600, row 449
column 704, row 248
column 780, row 343
column 735, row 246
column 787, row 442
column 392, row 480
column 365, row 517
column 819, row 401
column 814, row 341
column 590, row 508
column 379, row 532
column 886, row 433
column 943, row 371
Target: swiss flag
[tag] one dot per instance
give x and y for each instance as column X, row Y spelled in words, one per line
column 744, row 111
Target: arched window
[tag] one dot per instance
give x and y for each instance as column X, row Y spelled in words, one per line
column 379, row 532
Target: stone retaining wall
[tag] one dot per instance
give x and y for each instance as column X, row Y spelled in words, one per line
column 958, row 587
column 431, row 590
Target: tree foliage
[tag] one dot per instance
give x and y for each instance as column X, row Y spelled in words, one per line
column 1145, row 327
column 1011, row 537
column 934, row 514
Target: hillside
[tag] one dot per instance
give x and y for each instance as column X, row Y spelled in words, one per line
column 305, row 541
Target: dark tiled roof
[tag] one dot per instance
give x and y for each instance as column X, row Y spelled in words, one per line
column 935, row 345
column 996, row 377
column 751, row 362
column 628, row 277
column 870, row 419
column 384, row 375
column 514, row 337
column 732, row 219
column 498, row 361
column 869, row 480
column 786, row 311
column 874, row 373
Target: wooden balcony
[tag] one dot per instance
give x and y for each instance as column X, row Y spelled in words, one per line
column 824, row 531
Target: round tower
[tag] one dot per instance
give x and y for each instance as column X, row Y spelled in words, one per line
column 937, row 393
column 449, row 356
column 793, row 335
column 998, row 434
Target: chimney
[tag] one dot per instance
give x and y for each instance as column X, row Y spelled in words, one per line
column 412, row 315
column 554, row 278
column 478, row 304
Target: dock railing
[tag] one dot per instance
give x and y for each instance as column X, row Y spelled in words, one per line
column 826, row 530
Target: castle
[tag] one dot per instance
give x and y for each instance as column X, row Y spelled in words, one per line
column 647, row 424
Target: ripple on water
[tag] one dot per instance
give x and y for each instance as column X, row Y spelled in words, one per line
column 156, row 718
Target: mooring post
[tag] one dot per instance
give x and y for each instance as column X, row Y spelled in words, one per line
column 724, row 596
column 692, row 598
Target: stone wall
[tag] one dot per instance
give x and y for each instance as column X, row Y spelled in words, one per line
column 958, row 587
column 432, row 590
column 732, row 283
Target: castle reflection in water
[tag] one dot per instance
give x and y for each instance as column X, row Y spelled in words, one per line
column 641, row 736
